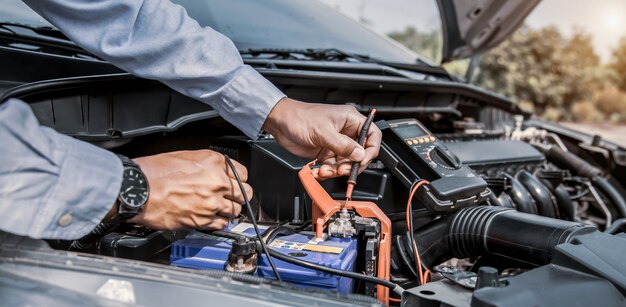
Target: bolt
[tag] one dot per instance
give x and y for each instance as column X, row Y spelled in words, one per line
column 446, row 268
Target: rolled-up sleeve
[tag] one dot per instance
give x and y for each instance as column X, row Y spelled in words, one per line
column 156, row 39
column 51, row 185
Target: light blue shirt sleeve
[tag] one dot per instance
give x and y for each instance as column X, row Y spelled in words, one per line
column 156, row 39
column 51, row 185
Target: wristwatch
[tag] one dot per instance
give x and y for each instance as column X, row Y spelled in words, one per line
column 134, row 191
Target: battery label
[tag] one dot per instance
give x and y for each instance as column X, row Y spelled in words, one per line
column 323, row 249
column 287, row 244
column 306, row 246
column 244, row 228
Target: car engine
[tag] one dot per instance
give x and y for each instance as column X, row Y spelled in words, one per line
column 470, row 201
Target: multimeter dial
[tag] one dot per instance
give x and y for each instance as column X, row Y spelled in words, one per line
column 443, row 159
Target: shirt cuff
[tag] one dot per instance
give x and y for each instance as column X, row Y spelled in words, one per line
column 88, row 185
column 247, row 101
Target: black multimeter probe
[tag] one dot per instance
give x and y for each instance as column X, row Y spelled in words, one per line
column 355, row 166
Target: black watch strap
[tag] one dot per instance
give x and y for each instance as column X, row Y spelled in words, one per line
column 127, row 162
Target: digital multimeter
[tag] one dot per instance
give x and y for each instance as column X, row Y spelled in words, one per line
column 413, row 153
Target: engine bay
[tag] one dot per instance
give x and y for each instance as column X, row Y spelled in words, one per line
column 469, row 202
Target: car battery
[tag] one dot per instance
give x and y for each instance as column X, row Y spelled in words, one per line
column 205, row 251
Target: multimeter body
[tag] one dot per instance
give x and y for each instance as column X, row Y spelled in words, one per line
column 413, row 153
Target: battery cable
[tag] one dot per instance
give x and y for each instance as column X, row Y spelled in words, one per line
column 272, row 253
column 252, row 217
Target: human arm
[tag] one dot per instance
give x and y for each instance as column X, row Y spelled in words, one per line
column 56, row 187
column 157, row 40
column 51, row 185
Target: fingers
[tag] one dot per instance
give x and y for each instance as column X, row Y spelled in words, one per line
column 212, row 223
column 328, row 168
column 229, row 209
column 234, row 192
column 340, row 137
column 241, row 170
column 233, row 199
column 332, row 168
column 342, row 145
column 192, row 189
column 209, row 159
column 218, row 222
column 342, row 142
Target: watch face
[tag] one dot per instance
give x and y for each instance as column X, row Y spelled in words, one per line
column 134, row 192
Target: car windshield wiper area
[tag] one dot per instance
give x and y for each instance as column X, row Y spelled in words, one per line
column 329, row 54
column 39, row 38
column 11, row 27
column 337, row 55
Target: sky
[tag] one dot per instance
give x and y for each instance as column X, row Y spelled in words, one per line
column 604, row 20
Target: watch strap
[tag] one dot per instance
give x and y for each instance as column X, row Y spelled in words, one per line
column 127, row 162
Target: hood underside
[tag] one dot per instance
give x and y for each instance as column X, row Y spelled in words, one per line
column 474, row 26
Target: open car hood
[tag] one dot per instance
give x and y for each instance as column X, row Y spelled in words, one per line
column 474, row 26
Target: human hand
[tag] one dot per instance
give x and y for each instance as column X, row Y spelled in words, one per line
column 325, row 132
column 191, row 190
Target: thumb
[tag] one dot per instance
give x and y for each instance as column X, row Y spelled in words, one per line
column 343, row 146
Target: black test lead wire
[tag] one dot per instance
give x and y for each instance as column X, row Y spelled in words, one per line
column 249, row 208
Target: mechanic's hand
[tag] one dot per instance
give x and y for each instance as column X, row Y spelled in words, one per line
column 324, row 132
column 191, row 189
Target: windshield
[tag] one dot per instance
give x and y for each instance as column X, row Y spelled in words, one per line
column 18, row 12
column 294, row 24
column 256, row 24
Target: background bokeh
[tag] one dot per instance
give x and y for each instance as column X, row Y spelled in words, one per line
column 567, row 63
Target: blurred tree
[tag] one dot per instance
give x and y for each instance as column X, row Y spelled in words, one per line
column 618, row 63
column 544, row 68
column 557, row 77
column 427, row 44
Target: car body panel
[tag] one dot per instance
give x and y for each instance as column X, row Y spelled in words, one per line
column 475, row 26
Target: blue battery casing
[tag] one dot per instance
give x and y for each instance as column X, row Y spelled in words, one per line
column 205, row 251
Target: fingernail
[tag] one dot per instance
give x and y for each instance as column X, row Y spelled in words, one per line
column 315, row 172
column 357, row 154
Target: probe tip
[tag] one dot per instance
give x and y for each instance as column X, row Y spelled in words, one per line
column 349, row 191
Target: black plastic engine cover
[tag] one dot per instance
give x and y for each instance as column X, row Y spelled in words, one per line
column 273, row 173
column 551, row 285
column 489, row 153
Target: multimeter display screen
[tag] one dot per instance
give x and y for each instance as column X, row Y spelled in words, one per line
column 410, row 131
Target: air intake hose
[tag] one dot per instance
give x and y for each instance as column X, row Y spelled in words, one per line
column 567, row 160
column 578, row 166
column 485, row 230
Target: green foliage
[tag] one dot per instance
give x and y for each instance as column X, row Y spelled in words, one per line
column 557, row 77
column 612, row 103
column 543, row 67
column 427, row 44
column 458, row 67
column 619, row 63
column 586, row 111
